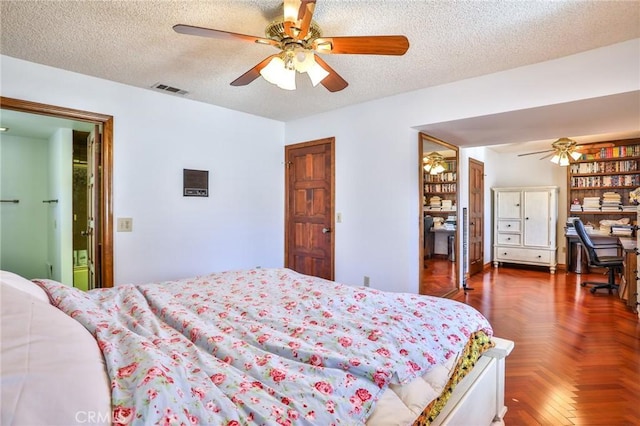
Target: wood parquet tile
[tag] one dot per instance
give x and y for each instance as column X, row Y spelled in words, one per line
column 576, row 359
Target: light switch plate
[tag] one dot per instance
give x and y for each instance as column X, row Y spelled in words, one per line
column 125, row 224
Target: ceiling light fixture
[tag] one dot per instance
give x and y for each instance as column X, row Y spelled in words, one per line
column 434, row 163
column 564, row 148
column 4, row 129
column 281, row 70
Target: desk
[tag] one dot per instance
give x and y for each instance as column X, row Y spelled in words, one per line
column 626, row 247
column 628, row 284
column 441, row 243
column 598, row 239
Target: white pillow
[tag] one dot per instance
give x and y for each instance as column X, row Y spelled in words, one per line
column 51, row 369
column 16, row 281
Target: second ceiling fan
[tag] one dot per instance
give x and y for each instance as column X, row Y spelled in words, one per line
column 299, row 39
column 565, row 148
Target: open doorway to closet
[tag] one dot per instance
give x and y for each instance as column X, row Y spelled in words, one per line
column 54, row 192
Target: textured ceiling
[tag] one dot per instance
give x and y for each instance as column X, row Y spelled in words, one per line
column 132, row 42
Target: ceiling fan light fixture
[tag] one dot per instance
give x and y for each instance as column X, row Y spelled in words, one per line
column 564, row 159
column 555, row 159
column 433, row 163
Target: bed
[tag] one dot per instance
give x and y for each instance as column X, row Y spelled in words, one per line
column 262, row 346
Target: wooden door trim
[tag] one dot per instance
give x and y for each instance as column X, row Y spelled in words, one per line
column 287, row 217
column 106, row 164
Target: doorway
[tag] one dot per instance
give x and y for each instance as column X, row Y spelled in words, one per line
column 102, row 245
column 438, row 216
column 309, row 207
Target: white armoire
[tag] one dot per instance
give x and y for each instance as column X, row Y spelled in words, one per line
column 524, row 226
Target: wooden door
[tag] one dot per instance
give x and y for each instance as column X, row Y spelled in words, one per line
column 309, row 208
column 476, row 216
column 93, row 183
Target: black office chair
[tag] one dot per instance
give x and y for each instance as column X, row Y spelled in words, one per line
column 612, row 263
column 428, row 237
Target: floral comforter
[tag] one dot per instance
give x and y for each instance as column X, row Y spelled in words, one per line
column 265, row 346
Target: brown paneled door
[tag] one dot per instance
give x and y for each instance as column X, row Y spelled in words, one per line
column 309, row 208
column 476, row 216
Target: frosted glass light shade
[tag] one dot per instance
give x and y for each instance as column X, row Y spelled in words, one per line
column 564, row 159
column 555, row 159
column 317, row 73
column 304, row 61
column 287, row 79
column 575, row 155
column 273, row 71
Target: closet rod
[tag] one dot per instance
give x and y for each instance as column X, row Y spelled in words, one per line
column 10, row 201
column 50, row 201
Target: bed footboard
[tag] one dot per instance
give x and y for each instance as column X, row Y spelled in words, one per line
column 479, row 398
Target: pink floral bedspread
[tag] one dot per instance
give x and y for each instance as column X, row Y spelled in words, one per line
column 265, row 346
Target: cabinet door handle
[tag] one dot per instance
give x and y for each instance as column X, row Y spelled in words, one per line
column 526, row 218
column 517, row 205
column 509, row 226
column 539, row 256
column 504, row 254
column 509, row 239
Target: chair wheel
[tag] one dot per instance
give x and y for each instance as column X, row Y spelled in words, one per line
column 593, row 290
column 583, row 284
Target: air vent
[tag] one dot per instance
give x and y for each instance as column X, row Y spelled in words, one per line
column 170, row 89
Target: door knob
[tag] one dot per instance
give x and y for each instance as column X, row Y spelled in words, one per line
column 326, row 230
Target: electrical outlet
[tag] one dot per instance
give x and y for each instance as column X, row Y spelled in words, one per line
column 125, row 224
column 366, row 281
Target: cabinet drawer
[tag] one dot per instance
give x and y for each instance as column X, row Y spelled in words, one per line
column 509, row 239
column 509, row 225
column 513, row 254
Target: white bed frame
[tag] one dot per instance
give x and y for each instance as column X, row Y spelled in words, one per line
column 479, row 398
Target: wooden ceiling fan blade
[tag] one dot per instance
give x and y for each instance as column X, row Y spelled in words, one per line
column 253, row 73
column 222, row 35
column 366, row 45
column 537, row 152
column 547, row 156
column 333, row 82
column 305, row 14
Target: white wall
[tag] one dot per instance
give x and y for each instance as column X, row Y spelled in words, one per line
column 241, row 223
column 23, row 226
column 60, row 214
column 376, row 173
column 156, row 136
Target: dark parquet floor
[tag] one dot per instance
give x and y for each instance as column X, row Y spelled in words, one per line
column 576, row 359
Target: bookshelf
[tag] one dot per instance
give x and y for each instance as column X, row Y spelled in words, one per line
column 600, row 181
column 440, row 190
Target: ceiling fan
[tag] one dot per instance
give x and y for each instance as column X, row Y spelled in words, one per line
column 564, row 148
column 299, row 39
